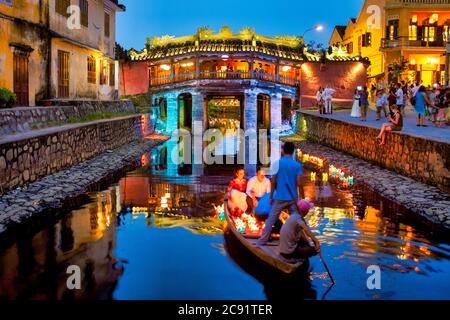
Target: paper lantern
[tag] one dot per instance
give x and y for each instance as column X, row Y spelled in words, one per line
column 325, row 177
column 351, row 181
column 313, row 176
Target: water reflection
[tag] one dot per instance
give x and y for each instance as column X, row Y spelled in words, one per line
column 35, row 267
column 153, row 236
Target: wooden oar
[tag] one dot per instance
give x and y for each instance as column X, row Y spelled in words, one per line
column 320, row 253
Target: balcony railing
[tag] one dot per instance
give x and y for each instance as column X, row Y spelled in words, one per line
column 416, row 2
column 236, row 75
column 402, row 42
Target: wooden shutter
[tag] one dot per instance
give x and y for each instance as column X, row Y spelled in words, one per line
column 21, row 88
column 63, row 74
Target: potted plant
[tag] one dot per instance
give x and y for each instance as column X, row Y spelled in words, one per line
column 7, row 98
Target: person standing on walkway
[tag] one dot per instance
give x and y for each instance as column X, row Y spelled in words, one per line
column 320, row 102
column 328, row 97
column 420, row 106
column 381, row 104
column 356, row 109
column 400, row 95
column 285, row 192
column 364, row 100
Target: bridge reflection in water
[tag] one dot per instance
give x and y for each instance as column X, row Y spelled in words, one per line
column 153, row 236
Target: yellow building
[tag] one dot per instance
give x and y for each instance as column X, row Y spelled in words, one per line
column 418, row 31
column 58, row 49
column 362, row 36
column 388, row 31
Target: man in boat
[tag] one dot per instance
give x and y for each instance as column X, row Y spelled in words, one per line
column 295, row 235
column 258, row 187
column 285, row 190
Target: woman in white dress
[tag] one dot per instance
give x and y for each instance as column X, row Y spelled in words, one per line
column 356, row 110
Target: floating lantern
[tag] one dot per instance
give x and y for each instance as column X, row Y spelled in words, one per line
column 342, row 176
column 325, row 177
column 351, row 181
column 320, row 163
column 345, row 182
column 313, row 176
column 299, row 154
column 334, row 172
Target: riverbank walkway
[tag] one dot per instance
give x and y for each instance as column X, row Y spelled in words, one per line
column 410, row 128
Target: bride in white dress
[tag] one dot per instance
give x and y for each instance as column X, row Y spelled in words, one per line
column 356, row 110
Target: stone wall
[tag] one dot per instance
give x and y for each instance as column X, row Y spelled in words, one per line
column 423, row 160
column 19, row 120
column 26, row 160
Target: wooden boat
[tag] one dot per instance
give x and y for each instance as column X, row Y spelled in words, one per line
column 269, row 254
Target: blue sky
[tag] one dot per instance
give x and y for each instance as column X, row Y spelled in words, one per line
column 147, row 18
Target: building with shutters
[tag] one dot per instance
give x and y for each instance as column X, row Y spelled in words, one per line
column 58, row 49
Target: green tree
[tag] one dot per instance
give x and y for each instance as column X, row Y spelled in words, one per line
column 396, row 69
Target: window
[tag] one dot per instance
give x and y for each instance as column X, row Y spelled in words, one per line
column 112, row 74
column 350, row 48
column 107, row 25
column 103, row 72
column 413, row 31
column 61, row 7
column 446, row 31
column 429, row 31
column 92, row 70
column 63, row 74
column 392, row 29
column 367, row 39
column 429, row 34
column 84, row 12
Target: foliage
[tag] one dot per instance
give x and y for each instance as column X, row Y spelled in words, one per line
column 397, row 68
column 140, row 101
column 122, row 55
column 7, row 98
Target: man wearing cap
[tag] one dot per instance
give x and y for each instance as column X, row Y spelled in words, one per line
column 295, row 235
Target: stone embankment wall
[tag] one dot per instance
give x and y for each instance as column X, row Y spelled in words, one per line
column 20, row 120
column 49, row 151
column 424, row 160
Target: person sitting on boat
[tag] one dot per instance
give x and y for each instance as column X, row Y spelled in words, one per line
column 258, row 186
column 238, row 201
column 285, row 190
column 295, row 235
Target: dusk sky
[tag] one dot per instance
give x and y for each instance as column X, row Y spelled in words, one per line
column 276, row 17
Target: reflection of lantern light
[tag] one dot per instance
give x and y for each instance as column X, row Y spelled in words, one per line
column 325, row 177
column 313, row 176
column 320, row 163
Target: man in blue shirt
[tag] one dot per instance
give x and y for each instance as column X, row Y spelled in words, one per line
column 286, row 188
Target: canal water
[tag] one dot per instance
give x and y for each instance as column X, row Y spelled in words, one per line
column 153, row 235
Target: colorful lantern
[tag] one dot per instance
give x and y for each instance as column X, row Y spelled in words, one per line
column 342, row 176
column 351, row 181
column 325, row 177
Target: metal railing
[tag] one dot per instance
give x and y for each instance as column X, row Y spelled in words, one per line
column 402, row 42
column 235, row 75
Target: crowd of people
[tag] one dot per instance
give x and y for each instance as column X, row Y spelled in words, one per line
column 281, row 196
column 432, row 104
column 324, row 99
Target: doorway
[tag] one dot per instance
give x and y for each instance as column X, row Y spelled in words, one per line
column 20, row 74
